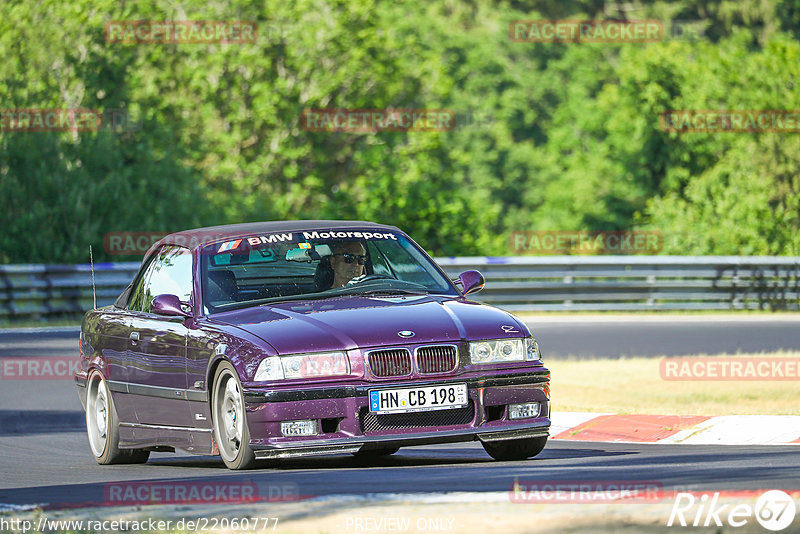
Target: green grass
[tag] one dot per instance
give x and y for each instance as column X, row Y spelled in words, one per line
column 634, row 386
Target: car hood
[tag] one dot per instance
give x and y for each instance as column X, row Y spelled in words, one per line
column 351, row 322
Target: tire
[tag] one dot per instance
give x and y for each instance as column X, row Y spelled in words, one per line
column 376, row 453
column 102, row 426
column 515, row 449
column 229, row 419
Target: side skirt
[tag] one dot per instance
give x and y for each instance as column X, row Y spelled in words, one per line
column 142, row 436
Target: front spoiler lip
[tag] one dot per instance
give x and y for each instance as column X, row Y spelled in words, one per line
column 350, row 445
column 252, row 396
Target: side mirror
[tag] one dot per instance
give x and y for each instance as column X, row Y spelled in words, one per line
column 471, row 281
column 168, row 305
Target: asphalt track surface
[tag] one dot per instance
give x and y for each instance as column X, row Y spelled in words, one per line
column 56, row 470
column 590, row 337
column 45, row 458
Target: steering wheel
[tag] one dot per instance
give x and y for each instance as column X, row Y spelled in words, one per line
column 368, row 277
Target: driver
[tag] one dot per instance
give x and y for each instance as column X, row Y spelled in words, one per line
column 347, row 261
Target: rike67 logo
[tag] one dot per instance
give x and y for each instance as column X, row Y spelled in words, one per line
column 774, row 510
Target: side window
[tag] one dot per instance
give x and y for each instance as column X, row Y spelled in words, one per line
column 169, row 272
column 136, row 299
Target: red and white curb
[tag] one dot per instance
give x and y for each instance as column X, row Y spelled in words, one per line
column 689, row 429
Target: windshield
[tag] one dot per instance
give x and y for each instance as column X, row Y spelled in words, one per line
column 317, row 264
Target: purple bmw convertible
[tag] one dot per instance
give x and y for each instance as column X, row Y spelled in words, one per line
column 298, row 338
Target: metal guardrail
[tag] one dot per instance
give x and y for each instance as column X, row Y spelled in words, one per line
column 41, row 290
column 608, row 283
column 529, row 283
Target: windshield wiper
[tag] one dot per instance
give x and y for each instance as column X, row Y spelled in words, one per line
column 393, row 292
column 321, row 295
column 272, row 300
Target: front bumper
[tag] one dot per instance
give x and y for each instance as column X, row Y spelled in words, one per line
column 345, row 424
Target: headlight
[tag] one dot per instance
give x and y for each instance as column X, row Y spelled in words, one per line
column 303, row 366
column 497, row 351
column 269, row 369
column 532, row 349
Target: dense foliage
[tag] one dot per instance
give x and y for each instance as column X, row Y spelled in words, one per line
column 560, row 136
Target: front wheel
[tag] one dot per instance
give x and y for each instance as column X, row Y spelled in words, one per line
column 515, row 449
column 230, row 422
column 102, row 426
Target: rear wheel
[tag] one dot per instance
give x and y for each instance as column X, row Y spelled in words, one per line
column 102, row 426
column 515, row 449
column 230, row 422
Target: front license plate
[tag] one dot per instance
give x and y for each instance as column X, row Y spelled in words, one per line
column 418, row 399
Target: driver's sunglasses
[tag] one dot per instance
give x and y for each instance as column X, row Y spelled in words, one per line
column 350, row 258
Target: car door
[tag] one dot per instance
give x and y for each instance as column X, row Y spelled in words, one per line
column 117, row 352
column 105, row 332
column 156, row 356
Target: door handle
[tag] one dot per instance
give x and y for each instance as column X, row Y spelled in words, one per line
column 134, row 336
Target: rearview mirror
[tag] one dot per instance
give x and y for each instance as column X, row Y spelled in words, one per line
column 169, row 305
column 316, row 252
column 471, row 282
